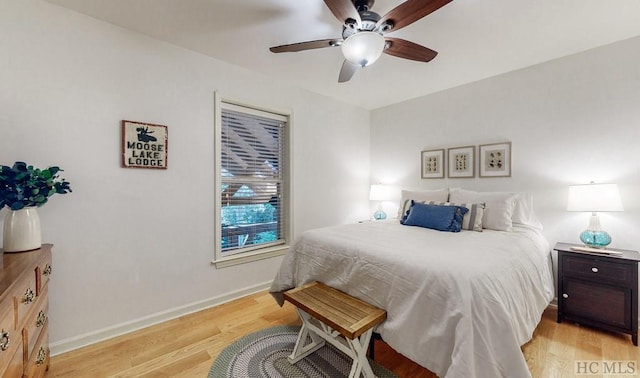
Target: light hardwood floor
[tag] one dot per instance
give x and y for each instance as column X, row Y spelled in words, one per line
column 187, row 346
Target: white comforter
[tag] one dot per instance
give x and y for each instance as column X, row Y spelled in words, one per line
column 459, row 304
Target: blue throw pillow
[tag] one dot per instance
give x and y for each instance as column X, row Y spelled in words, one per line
column 437, row 217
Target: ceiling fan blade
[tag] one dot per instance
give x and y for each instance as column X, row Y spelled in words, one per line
column 347, row 71
column 409, row 50
column 301, row 46
column 409, row 12
column 343, row 10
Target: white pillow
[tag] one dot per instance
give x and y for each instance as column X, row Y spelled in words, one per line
column 523, row 214
column 499, row 206
column 435, row 195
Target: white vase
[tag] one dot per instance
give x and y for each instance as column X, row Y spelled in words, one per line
column 22, row 230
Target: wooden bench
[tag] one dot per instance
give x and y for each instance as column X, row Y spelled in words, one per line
column 330, row 315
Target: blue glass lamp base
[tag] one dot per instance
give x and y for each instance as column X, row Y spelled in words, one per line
column 595, row 239
column 379, row 215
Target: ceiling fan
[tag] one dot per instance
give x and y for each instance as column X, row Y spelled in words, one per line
column 363, row 31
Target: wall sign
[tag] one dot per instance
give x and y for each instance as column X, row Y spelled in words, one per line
column 144, row 145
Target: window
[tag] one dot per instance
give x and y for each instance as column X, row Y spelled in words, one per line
column 252, row 208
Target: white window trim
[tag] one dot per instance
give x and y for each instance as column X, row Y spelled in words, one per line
column 258, row 253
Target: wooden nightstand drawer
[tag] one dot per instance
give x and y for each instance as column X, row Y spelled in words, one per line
column 598, row 303
column 591, row 268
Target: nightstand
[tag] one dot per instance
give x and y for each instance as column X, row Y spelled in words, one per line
column 599, row 290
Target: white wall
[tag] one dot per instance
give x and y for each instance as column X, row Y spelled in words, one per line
column 570, row 121
column 133, row 246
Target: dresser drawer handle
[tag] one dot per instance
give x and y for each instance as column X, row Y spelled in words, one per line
column 42, row 355
column 47, row 270
column 4, row 340
column 565, row 295
column 28, row 296
column 594, row 269
column 42, row 318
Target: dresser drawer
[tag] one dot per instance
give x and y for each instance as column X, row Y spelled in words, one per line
column 25, row 296
column 9, row 337
column 43, row 272
column 597, row 269
column 39, row 360
column 13, row 367
column 36, row 322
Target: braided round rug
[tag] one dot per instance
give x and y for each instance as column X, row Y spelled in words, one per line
column 263, row 354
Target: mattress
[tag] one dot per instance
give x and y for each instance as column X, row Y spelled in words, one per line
column 459, row 304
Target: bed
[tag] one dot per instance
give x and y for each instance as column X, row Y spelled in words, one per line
column 458, row 303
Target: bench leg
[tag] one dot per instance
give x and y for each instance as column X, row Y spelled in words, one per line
column 300, row 350
column 372, row 345
column 358, row 348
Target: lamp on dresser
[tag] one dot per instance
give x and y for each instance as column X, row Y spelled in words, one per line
column 594, row 198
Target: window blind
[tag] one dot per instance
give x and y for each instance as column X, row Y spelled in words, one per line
column 252, row 177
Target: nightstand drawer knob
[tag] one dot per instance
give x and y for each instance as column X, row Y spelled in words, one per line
column 594, row 269
column 565, row 295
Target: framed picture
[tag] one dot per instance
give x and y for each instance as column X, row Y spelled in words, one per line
column 461, row 161
column 432, row 164
column 144, row 145
column 495, row 160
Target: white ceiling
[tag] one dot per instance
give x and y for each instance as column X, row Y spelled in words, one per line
column 475, row 39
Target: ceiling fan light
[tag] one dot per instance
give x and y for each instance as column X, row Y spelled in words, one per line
column 363, row 48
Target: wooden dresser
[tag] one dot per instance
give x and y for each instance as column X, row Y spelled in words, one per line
column 24, row 305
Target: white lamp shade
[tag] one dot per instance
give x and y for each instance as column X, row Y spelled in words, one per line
column 363, row 48
column 594, row 198
column 381, row 193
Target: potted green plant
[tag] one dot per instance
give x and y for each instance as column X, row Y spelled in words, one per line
column 23, row 188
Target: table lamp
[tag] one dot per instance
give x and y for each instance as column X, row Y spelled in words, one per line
column 594, row 197
column 380, row 193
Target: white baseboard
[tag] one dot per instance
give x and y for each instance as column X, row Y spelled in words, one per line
column 80, row 341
